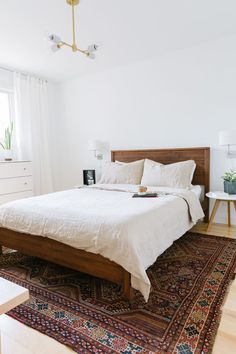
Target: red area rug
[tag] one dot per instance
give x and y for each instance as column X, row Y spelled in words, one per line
column 189, row 282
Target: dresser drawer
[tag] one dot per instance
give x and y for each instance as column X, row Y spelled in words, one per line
column 15, row 169
column 14, row 185
column 14, row 196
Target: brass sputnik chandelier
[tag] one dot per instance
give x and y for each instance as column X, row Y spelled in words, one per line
column 58, row 43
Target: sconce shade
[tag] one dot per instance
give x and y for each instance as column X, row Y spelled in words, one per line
column 227, row 137
column 94, row 145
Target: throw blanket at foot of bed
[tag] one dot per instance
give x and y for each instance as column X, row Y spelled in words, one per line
column 189, row 282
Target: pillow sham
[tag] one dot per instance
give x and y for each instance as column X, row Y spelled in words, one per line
column 122, row 173
column 126, row 163
column 176, row 175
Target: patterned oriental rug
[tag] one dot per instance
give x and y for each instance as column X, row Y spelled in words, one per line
column 189, row 282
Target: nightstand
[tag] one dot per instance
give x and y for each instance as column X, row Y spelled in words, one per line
column 16, row 180
column 221, row 197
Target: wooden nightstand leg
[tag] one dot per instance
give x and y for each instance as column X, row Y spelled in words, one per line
column 215, row 208
column 229, row 216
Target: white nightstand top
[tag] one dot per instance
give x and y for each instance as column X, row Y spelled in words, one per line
column 221, row 196
column 11, row 295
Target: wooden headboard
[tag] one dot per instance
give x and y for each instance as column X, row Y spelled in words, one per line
column 201, row 156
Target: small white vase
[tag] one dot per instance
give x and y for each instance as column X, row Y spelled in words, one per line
column 8, row 155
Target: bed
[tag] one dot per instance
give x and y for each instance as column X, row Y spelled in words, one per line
column 104, row 265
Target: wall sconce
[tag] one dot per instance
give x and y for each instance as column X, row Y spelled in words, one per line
column 97, row 147
column 228, row 138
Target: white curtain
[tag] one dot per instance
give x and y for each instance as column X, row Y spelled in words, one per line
column 32, row 128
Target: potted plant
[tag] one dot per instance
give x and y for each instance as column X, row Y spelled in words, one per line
column 7, row 143
column 230, row 182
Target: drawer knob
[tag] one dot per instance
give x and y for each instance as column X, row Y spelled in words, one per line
column 26, row 183
column 24, row 168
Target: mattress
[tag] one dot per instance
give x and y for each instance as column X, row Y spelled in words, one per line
column 199, row 191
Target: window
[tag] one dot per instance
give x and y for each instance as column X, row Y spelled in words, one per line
column 5, row 112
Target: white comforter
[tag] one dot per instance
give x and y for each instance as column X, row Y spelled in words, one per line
column 106, row 220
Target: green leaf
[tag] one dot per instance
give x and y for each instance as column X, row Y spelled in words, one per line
column 8, row 137
column 229, row 176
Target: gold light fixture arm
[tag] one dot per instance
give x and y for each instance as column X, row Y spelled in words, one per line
column 71, row 46
column 66, row 44
column 74, row 46
column 58, row 43
column 70, row 2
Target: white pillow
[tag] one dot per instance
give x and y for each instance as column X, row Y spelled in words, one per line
column 125, row 173
column 126, row 163
column 176, row 175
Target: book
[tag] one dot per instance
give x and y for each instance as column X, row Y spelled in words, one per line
column 145, row 195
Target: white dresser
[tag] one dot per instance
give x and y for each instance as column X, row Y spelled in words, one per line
column 16, row 180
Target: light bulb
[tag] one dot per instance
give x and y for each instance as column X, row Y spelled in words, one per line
column 54, row 38
column 91, row 55
column 92, row 48
column 55, row 47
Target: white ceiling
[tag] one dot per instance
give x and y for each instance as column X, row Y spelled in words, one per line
column 127, row 30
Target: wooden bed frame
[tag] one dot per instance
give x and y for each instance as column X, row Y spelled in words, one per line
column 94, row 264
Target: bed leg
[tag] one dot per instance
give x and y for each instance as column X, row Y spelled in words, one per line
column 1, row 250
column 127, row 289
column 207, row 211
column 206, row 218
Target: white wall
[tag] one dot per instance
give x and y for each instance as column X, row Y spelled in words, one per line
column 6, row 80
column 181, row 99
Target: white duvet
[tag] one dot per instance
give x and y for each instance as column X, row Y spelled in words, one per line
column 106, row 220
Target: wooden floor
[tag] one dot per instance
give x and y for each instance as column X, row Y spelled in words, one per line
column 225, row 342
column 14, row 333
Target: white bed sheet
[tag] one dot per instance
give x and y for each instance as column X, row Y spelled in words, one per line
column 132, row 232
column 199, row 191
